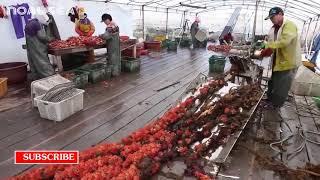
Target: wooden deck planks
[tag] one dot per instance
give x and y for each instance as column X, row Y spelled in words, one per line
column 53, row 142
column 129, row 103
column 98, row 96
column 102, row 106
column 308, row 124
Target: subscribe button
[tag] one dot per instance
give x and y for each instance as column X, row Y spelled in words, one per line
column 46, row 157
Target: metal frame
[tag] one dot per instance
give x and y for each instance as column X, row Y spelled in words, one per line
column 308, row 8
column 306, row 11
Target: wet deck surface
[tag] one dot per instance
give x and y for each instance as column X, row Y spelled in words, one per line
column 114, row 109
column 272, row 126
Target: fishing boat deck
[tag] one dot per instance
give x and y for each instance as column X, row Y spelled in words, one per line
column 116, row 108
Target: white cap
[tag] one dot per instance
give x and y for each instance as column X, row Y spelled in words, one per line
column 43, row 18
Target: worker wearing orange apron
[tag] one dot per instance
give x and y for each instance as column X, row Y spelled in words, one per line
column 84, row 27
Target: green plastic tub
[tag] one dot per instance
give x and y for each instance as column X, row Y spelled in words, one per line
column 108, row 68
column 80, row 78
column 165, row 43
column 172, row 46
column 317, row 101
column 97, row 72
column 185, row 43
column 217, row 64
column 130, row 65
column 108, row 72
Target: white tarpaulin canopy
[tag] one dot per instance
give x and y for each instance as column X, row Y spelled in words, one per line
column 215, row 13
column 299, row 9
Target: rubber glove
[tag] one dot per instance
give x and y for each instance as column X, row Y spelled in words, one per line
column 266, row 52
column 90, row 33
column 259, row 45
column 225, row 42
column 80, row 33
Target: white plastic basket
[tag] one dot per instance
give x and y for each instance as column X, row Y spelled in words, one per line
column 201, row 35
column 61, row 110
column 306, row 83
column 40, row 87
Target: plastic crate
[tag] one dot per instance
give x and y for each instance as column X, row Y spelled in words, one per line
column 129, row 52
column 130, row 65
column 214, row 57
column 144, row 52
column 61, row 110
column 153, row 45
column 317, row 101
column 160, row 37
column 185, row 43
column 108, row 69
column 80, row 78
column 108, row 72
column 217, row 64
column 42, row 86
column 97, row 72
column 172, row 46
column 201, row 35
column 3, row 86
column 124, row 38
column 165, row 43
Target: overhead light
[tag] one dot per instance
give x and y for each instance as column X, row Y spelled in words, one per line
column 191, row 6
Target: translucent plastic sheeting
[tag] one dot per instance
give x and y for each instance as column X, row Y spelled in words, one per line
column 214, row 13
column 303, row 9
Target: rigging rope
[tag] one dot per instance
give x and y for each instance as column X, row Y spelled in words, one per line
column 300, row 133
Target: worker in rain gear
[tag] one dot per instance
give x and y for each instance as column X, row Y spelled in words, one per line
column 284, row 43
column 84, row 27
column 111, row 35
column 194, row 30
column 39, row 33
column 228, row 39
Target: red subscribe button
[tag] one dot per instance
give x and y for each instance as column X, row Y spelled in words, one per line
column 46, row 157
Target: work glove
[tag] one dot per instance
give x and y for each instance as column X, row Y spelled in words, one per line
column 260, row 45
column 225, row 42
column 82, row 34
column 266, row 52
column 79, row 32
column 90, row 33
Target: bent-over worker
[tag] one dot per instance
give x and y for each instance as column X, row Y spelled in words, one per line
column 228, row 39
column 38, row 35
column 111, row 35
column 284, row 41
column 193, row 31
